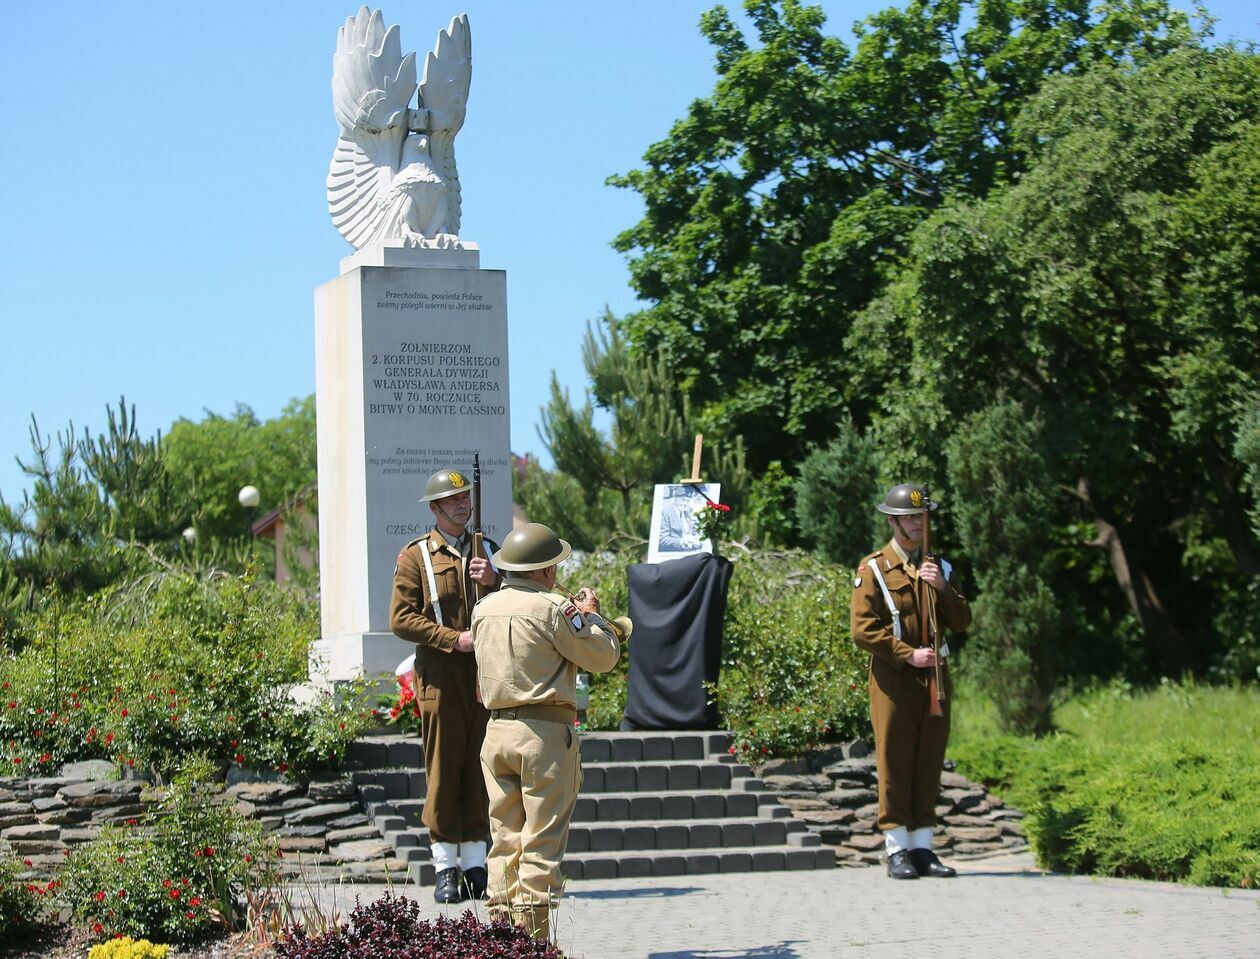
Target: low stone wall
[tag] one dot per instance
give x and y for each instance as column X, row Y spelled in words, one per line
column 321, row 828
column 834, row 793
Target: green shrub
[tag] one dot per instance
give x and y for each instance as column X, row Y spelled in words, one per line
column 1156, row 784
column 172, row 666
column 23, row 902
column 177, row 874
column 791, row 677
column 606, row 573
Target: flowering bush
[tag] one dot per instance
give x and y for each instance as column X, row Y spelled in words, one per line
column 23, row 902
column 203, row 667
column 392, row 927
column 128, row 948
column 791, row 677
column 178, row 873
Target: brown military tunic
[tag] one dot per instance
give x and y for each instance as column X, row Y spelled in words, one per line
column 530, row 644
column 452, row 722
column 909, row 743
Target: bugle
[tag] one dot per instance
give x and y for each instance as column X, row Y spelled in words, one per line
column 620, row 626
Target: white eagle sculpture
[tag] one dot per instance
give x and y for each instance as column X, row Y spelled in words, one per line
column 393, row 173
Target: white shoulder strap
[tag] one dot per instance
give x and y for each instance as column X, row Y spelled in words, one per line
column 873, row 565
column 428, row 572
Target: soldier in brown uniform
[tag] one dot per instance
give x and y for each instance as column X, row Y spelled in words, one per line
column 432, row 607
column 909, row 742
column 530, row 644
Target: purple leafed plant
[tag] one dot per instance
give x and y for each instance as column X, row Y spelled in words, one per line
column 390, row 928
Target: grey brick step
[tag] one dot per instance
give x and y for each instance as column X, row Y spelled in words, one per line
column 663, row 776
column 654, row 777
column 633, row 865
column 395, row 783
column 621, row 807
column 680, row 834
column 376, row 752
column 641, row 807
column 392, row 750
column 605, row 747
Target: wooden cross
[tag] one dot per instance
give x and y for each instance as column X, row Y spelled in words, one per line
column 694, row 478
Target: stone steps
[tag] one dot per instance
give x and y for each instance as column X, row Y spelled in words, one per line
column 637, row 864
column 651, row 804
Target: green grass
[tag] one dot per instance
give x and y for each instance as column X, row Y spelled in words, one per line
column 1154, row 783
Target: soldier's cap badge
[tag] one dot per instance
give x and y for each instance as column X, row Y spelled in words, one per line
column 457, row 479
column 916, row 499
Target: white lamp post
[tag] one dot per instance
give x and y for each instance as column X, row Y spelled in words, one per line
column 249, row 497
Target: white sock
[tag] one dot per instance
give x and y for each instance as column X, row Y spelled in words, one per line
column 444, row 854
column 921, row 838
column 896, row 839
column 472, row 855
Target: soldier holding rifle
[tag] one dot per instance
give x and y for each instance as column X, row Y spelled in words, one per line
column 530, row 644
column 900, row 595
column 435, row 584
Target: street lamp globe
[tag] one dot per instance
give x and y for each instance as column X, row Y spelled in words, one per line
column 190, row 535
column 249, row 497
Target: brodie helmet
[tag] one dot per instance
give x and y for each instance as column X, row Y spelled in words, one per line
column 905, row 499
column 445, row 483
column 528, row 547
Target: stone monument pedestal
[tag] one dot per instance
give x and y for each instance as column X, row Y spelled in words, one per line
column 411, row 357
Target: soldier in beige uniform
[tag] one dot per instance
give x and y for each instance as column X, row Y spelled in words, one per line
column 885, row 620
column 431, row 607
column 530, row 644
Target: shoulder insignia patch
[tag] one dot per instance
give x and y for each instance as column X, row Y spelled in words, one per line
column 573, row 616
column 857, row 581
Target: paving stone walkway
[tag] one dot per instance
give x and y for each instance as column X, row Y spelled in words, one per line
column 1004, row 908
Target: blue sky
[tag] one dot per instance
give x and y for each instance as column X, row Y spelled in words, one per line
column 164, row 179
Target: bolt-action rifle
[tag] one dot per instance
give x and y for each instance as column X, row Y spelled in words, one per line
column 928, row 633
column 477, row 537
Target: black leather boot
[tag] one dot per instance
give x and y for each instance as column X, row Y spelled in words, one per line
column 475, row 880
column 900, row 866
column 449, row 888
column 927, row 864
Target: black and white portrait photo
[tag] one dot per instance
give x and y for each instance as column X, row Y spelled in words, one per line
column 674, row 526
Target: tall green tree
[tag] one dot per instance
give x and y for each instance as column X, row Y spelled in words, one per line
column 1112, row 289
column 1003, row 494
column 108, row 506
column 779, row 208
column 603, row 479
column 211, row 459
column 91, row 499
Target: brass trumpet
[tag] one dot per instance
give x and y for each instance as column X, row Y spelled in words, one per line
column 621, row 626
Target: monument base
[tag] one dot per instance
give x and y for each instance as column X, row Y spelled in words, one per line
column 467, row 256
column 350, row 656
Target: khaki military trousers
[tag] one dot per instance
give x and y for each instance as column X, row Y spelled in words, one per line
column 909, row 744
column 533, row 773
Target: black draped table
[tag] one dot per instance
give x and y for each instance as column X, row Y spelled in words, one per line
column 677, row 608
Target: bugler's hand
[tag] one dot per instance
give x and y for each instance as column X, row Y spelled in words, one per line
column 587, row 601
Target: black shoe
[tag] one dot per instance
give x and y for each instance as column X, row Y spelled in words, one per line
column 475, row 880
column 900, row 866
column 927, row 864
column 449, row 888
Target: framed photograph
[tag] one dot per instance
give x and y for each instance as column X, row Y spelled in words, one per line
column 674, row 525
